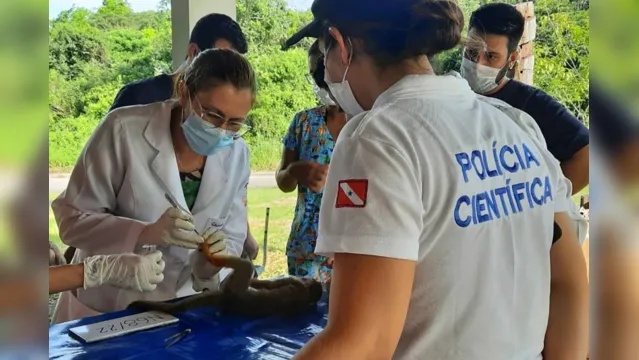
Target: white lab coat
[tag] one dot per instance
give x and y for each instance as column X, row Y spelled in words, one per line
column 118, row 186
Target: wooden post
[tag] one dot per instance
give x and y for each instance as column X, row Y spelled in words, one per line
column 524, row 68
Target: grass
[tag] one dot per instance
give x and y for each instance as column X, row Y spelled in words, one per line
column 281, row 207
column 265, row 154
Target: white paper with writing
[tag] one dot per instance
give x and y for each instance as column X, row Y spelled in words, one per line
column 122, row 326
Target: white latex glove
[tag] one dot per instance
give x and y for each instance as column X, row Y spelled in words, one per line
column 55, row 256
column 126, row 271
column 215, row 240
column 174, row 227
column 204, row 272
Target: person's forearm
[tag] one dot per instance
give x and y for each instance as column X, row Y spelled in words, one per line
column 285, row 181
column 66, row 277
column 577, row 170
column 615, row 302
column 325, row 346
column 19, row 292
column 578, row 177
column 568, row 323
column 333, row 345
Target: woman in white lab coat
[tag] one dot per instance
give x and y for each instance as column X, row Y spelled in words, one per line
column 117, row 200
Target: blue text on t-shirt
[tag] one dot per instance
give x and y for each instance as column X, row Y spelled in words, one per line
column 505, row 200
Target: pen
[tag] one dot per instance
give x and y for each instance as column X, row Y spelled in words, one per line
column 172, row 340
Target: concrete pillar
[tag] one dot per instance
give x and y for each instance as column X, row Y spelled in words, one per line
column 184, row 15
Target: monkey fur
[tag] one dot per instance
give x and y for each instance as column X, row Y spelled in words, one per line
column 242, row 295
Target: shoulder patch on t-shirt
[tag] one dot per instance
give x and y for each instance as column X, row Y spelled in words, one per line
column 351, row 193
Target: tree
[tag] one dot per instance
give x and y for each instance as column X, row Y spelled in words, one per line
column 113, row 14
column 70, row 46
column 562, row 65
column 92, row 54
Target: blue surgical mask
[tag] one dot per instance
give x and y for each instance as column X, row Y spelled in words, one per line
column 204, row 138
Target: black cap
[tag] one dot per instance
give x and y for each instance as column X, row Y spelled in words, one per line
column 345, row 12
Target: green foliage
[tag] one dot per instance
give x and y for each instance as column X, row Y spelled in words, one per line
column 67, row 137
column 562, row 57
column 614, row 57
column 72, row 46
column 92, row 54
column 562, row 61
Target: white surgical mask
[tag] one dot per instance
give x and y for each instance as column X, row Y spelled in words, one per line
column 343, row 93
column 481, row 78
column 323, row 96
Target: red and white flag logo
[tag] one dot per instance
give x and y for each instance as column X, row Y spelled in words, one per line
column 351, row 193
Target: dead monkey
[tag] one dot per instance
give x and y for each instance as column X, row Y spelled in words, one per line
column 240, row 294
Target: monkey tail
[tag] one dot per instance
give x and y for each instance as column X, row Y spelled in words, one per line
column 166, row 308
column 228, row 261
column 203, row 299
column 238, row 281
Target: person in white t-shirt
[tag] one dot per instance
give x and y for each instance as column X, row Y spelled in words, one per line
column 438, row 209
column 529, row 125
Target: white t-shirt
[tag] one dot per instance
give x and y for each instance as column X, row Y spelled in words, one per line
column 529, row 125
column 459, row 188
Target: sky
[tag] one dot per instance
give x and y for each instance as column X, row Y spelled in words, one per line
column 56, row 6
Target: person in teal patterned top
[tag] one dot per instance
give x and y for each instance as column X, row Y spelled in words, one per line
column 308, row 147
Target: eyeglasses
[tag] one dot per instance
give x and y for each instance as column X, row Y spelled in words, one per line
column 233, row 128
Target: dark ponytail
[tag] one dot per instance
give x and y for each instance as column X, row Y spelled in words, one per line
column 424, row 27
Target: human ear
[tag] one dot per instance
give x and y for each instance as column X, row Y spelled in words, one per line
column 193, row 50
column 345, row 50
column 513, row 59
column 183, row 95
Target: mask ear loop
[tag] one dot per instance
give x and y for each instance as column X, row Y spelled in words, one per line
column 184, row 115
column 350, row 58
column 503, row 73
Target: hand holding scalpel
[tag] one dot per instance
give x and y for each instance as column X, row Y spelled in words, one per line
column 175, row 205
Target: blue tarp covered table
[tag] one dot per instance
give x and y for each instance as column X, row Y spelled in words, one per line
column 213, row 336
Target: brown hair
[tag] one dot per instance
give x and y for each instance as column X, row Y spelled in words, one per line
column 425, row 27
column 215, row 67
